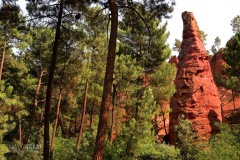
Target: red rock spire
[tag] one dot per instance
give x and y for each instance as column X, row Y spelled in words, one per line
column 196, row 96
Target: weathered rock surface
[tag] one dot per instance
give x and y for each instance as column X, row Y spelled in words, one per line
column 217, row 63
column 196, row 96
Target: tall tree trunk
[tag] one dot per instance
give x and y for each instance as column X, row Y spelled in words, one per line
column 92, row 117
column 55, row 123
column 3, row 57
column 20, row 130
column 33, row 110
column 50, row 84
column 83, row 116
column 113, row 114
column 106, row 97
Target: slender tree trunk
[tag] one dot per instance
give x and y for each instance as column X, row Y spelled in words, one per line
column 83, row 116
column 106, row 97
column 92, row 117
column 55, row 123
column 38, row 89
column 3, row 57
column 20, row 130
column 50, row 84
column 33, row 110
column 113, row 115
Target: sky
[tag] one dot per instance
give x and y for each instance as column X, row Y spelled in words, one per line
column 213, row 17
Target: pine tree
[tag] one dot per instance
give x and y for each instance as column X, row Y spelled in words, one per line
column 163, row 89
column 146, row 43
column 11, row 22
column 177, row 45
column 114, row 6
column 216, row 46
column 8, row 104
column 189, row 150
column 235, row 23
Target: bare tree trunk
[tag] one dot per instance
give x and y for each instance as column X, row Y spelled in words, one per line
column 106, row 97
column 83, row 116
column 3, row 57
column 33, row 110
column 113, row 115
column 20, row 130
column 38, row 88
column 50, row 84
column 91, row 117
column 55, row 123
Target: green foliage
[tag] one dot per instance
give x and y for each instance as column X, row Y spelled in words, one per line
column 163, row 81
column 186, row 143
column 216, row 46
column 177, row 45
column 233, row 83
column 126, row 70
column 139, row 144
column 231, row 54
column 66, row 148
column 223, row 146
column 6, row 119
column 235, row 23
column 3, row 149
column 126, row 75
column 136, row 140
column 203, row 36
column 148, row 44
column 82, row 55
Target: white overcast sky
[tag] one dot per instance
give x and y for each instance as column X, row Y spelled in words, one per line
column 213, row 17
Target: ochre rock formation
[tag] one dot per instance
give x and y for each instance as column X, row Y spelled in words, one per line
column 230, row 101
column 217, row 63
column 196, row 94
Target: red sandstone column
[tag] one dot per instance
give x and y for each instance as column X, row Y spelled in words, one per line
column 196, row 96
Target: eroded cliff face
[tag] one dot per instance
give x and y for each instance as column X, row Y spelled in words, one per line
column 196, row 96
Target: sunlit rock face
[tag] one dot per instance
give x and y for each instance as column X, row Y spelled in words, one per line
column 217, row 63
column 197, row 95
